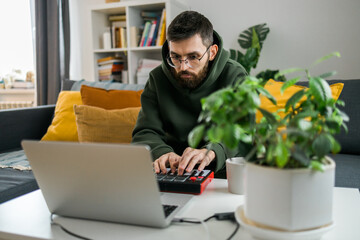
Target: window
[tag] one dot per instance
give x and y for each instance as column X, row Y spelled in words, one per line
column 16, row 48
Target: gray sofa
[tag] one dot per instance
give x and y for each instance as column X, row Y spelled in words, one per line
column 32, row 123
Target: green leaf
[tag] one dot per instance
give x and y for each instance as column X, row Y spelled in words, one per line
column 215, row 134
column 300, row 156
column 321, row 145
column 335, row 145
column 236, row 55
column 333, row 54
column 320, row 89
column 294, row 99
column 266, row 93
column 250, row 54
column 268, row 115
column 287, row 71
column 196, row 135
column 231, row 136
column 245, row 38
column 328, row 74
column 289, row 83
column 282, row 155
column 318, row 166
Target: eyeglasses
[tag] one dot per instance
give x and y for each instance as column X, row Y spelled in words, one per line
column 191, row 61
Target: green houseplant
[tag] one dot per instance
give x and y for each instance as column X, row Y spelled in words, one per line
column 251, row 40
column 287, row 166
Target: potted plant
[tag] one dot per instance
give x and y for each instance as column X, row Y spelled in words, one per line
column 289, row 178
column 252, row 40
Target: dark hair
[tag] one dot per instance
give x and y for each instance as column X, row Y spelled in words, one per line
column 189, row 23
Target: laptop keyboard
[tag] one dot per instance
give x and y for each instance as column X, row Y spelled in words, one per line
column 168, row 209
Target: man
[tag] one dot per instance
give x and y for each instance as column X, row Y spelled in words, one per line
column 194, row 66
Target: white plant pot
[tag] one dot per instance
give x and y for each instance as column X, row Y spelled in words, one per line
column 289, row 199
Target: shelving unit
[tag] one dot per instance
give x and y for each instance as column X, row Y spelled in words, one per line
column 132, row 10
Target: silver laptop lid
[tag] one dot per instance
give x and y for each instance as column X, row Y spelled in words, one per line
column 108, row 182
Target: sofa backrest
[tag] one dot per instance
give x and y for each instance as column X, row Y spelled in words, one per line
column 72, row 85
column 351, row 96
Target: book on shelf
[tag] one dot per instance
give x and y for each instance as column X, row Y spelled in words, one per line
column 154, row 25
column 160, row 39
column 110, row 68
column 118, row 17
column 117, row 33
column 151, row 34
column 134, row 36
column 150, row 14
column 144, row 68
column 145, row 33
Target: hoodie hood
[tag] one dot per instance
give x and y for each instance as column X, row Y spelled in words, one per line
column 215, row 67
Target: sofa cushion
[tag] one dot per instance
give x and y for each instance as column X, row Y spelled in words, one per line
column 273, row 87
column 110, row 99
column 63, row 126
column 100, row 125
column 14, row 183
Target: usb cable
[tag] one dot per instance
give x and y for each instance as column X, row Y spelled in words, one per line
column 218, row 216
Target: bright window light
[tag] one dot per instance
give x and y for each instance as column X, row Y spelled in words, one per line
column 16, row 41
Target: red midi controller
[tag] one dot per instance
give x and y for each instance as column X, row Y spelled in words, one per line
column 193, row 182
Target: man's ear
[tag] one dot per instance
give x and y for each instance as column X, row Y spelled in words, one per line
column 213, row 51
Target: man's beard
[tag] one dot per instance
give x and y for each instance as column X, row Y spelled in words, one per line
column 194, row 81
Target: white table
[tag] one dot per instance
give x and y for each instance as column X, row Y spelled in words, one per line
column 27, row 217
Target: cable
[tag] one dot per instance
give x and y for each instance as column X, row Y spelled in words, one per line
column 218, row 216
column 235, row 231
column 67, row 231
column 194, row 220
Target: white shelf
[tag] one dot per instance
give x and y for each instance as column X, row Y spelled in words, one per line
column 112, row 50
column 99, row 22
column 152, row 48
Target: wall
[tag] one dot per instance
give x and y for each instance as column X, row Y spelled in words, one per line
column 300, row 32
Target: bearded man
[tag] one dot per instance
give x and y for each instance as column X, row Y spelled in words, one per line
column 194, row 66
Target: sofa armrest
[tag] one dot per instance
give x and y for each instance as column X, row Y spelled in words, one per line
column 24, row 123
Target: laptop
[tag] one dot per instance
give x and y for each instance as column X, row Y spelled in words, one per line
column 101, row 181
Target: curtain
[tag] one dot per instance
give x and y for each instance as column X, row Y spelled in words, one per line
column 52, row 26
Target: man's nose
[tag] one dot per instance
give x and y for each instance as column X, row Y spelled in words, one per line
column 183, row 65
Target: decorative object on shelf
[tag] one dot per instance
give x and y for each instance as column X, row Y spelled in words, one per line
column 30, row 77
column 289, row 178
column 252, row 40
column 107, row 39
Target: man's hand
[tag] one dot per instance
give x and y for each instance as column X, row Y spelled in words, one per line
column 167, row 159
column 191, row 157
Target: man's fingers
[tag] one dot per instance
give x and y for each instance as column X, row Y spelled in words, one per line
column 204, row 163
column 174, row 162
column 186, row 157
column 156, row 166
column 195, row 160
column 162, row 163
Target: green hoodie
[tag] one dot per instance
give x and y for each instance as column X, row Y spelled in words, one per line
column 169, row 112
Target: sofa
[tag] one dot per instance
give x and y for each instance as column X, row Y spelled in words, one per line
column 32, row 123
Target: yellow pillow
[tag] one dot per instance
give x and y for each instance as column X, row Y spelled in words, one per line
column 274, row 89
column 96, row 124
column 63, row 126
